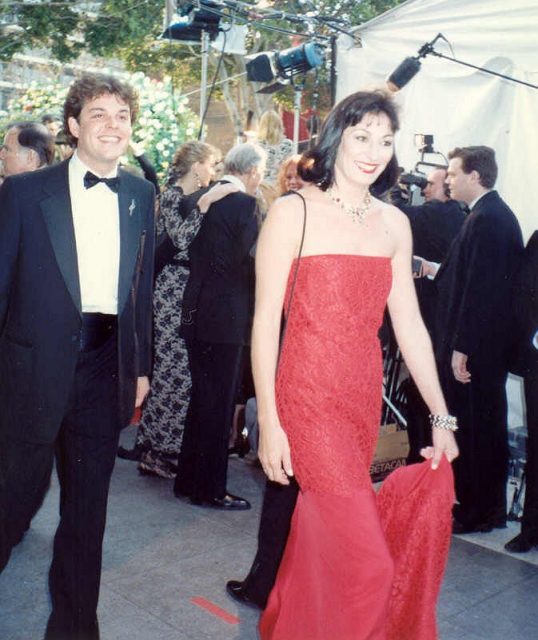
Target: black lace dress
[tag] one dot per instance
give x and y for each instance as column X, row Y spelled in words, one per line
column 161, row 426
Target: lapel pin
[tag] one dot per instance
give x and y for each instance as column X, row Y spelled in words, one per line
column 132, row 207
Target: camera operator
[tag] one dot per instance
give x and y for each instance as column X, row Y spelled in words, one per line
column 434, row 224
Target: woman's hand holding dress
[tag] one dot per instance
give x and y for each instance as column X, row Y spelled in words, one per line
column 444, row 442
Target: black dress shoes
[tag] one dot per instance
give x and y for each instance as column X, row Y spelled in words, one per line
column 521, row 544
column 459, row 528
column 133, row 454
column 236, row 589
column 228, row 503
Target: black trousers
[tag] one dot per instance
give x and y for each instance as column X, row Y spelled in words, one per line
column 419, row 429
column 277, row 510
column 529, row 524
column 203, row 461
column 481, row 470
column 84, row 450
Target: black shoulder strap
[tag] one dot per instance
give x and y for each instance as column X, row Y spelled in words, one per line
column 295, row 272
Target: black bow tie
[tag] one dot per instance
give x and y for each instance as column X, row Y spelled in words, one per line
column 90, row 180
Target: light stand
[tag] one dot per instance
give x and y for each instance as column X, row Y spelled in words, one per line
column 204, row 42
column 297, row 98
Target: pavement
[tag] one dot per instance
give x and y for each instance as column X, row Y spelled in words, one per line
column 166, row 563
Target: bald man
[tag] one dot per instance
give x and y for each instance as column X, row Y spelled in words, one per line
column 27, row 146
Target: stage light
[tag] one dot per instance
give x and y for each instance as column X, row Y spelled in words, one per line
column 194, row 18
column 271, row 65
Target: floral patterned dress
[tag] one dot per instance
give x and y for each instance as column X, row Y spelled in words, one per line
column 276, row 154
column 161, row 426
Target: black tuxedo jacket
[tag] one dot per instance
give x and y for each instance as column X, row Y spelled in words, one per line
column 218, row 302
column 474, row 285
column 525, row 312
column 40, row 305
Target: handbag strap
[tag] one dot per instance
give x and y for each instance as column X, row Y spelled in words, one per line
column 295, row 272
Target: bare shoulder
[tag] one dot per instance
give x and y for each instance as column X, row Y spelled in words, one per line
column 286, row 210
column 396, row 221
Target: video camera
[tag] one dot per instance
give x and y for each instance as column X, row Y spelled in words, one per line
column 417, row 178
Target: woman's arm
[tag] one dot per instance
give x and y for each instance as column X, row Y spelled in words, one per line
column 413, row 338
column 277, row 246
column 185, row 231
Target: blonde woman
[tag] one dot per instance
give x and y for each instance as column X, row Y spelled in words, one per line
column 271, row 138
column 160, row 430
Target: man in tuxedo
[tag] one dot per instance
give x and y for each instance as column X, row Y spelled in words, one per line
column 434, row 225
column 76, row 256
column 27, row 146
column 216, row 320
column 525, row 311
column 472, row 334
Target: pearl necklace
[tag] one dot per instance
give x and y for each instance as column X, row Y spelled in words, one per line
column 357, row 213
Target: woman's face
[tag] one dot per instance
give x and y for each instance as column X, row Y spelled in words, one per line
column 292, row 178
column 205, row 170
column 365, row 150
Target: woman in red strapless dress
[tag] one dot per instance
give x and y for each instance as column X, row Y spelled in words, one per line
column 356, row 566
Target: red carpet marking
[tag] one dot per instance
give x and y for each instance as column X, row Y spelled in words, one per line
column 215, row 610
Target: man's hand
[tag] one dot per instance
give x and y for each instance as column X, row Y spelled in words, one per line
column 459, row 367
column 142, row 390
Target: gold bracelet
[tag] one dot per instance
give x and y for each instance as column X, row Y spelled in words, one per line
column 450, row 423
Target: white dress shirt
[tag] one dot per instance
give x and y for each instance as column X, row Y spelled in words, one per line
column 97, row 235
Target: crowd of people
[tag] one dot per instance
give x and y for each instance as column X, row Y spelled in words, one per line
column 289, row 262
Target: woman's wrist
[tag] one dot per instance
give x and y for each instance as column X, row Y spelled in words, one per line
column 444, row 421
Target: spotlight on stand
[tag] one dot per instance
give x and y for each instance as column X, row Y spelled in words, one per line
column 196, row 25
column 187, row 27
column 284, row 65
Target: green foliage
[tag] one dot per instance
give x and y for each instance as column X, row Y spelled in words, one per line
column 164, row 121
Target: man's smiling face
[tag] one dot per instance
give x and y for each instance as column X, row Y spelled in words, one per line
column 103, row 130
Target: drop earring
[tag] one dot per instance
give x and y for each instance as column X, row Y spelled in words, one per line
column 198, row 181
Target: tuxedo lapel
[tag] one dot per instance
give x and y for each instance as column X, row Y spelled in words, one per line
column 130, row 211
column 58, row 216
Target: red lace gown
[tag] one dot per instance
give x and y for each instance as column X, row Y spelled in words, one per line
column 356, row 566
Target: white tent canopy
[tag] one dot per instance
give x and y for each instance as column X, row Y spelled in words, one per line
column 459, row 105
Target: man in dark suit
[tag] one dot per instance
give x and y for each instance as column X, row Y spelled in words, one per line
column 434, row 225
column 216, row 322
column 471, row 337
column 525, row 330
column 76, row 255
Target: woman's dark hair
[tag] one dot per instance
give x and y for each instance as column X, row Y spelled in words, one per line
column 318, row 165
column 94, row 85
